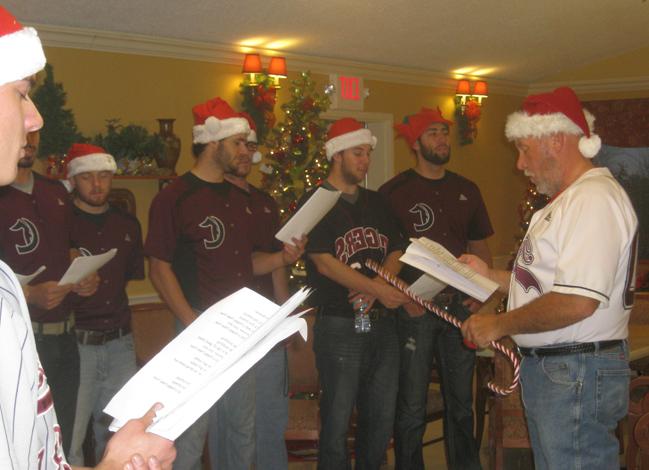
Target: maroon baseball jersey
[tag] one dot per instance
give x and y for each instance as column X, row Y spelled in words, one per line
column 266, row 215
column 35, row 232
column 205, row 230
column 95, row 234
column 449, row 210
column 352, row 232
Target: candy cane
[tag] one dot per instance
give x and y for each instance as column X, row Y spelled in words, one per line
column 404, row 287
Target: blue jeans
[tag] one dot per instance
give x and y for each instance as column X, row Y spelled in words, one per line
column 271, row 413
column 423, row 339
column 573, row 404
column 358, row 369
column 231, row 435
column 104, row 369
column 60, row 360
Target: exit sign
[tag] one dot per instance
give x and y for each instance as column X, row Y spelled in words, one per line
column 348, row 92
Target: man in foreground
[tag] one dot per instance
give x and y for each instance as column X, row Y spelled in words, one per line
column 30, row 436
column 571, row 289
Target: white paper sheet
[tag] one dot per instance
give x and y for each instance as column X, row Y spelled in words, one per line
column 427, row 287
column 82, row 266
column 199, row 365
column 25, row 279
column 309, row 215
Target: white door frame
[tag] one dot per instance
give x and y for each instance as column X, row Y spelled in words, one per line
column 381, row 125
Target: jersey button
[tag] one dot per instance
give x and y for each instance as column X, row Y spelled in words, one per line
column 107, row 302
column 227, row 205
column 231, row 225
column 236, row 252
column 238, row 274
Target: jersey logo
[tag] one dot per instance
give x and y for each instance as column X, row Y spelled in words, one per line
column 426, row 216
column 30, row 235
column 266, row 210
column 61, row 203
column 127, row 238
column 359, row 239
column 548, row 217
column 84, row 251
column 522, row 275
column 217, row 232
column 248, row 211
column 463, row 197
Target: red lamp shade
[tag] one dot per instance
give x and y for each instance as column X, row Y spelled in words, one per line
column 480, row 88
column 463, row 87
column 277, row 66
column 251, row 64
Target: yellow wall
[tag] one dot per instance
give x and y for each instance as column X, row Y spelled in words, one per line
column 139, row 89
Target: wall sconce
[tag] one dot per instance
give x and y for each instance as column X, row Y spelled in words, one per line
column 277, row 70
column 463, row 93
column 251, row 67
column 468, row 104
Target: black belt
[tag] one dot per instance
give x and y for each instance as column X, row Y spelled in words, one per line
column 98, row 337
column 571, row 348
column 379, row 312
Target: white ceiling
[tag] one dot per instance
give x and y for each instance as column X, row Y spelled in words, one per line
column 518, row 40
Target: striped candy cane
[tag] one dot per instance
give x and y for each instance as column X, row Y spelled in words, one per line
column 404, row 287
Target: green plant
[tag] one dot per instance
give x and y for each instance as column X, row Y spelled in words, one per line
column 59, row 128
column 130, row 141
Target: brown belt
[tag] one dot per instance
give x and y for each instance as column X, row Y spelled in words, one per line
column 97, row 338
column 54, row 328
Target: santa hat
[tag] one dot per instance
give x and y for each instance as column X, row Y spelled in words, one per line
column 85, row 157
column 21, row 53
column 347, row 133
column 215, row 120
column 252, row 136
column 414, row 126
column 558, row 112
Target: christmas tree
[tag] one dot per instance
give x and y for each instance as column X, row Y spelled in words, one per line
column 59, row 130
column 296, row 160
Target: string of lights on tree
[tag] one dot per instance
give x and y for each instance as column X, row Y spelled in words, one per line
column 296, row 160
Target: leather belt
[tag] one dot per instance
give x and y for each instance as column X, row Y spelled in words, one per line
column 99, row 337
column 571, row 348
column 53, row 328
column 380, row 312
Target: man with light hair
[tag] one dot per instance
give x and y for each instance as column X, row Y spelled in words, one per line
column 570, row 291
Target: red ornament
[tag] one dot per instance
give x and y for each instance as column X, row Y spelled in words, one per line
column 298, row 139
column 307, row 104
column 472, row 111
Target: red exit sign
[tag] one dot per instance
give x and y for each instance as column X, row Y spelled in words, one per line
column 349, row 92
column 350, row 88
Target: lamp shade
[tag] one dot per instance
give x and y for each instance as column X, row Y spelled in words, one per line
column 480, row 88
column 277, row 66
column 463, row 87
column 251, row 64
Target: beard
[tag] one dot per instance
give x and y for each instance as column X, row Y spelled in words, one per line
column 28, row 160
column 93, row 202
column 433, row 157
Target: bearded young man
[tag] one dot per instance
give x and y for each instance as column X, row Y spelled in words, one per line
column 431, row 201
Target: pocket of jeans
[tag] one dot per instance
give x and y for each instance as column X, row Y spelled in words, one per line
column 612, row 395
column 559, row 370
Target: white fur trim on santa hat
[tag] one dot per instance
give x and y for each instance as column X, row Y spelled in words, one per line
column 91, row 162
column 216, row 129
column 21, row 55
column 349, row 140
column 521, row 125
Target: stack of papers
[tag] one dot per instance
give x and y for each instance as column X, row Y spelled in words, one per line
column 193, row 371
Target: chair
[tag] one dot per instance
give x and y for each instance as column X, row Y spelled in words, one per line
column 153, row 326
column 303, row 429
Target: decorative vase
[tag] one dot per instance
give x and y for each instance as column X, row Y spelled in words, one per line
column 168, row 157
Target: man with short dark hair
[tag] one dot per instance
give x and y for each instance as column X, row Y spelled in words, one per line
column 571, row 289
column 103, row 321
column 202, row 246
column 355, row 334
column 431, row 201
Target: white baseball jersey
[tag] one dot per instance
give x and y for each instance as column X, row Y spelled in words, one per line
column 31, row 437
column 583, row 242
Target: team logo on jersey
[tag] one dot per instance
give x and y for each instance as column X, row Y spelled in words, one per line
column 548, row 217
column 84, row 251
column 359, row 239
column 217, row 232
column 30, row 235
column 61, row 203
column 463, row 197
column 426, row 216
column 523, row 276
column 44, row 402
